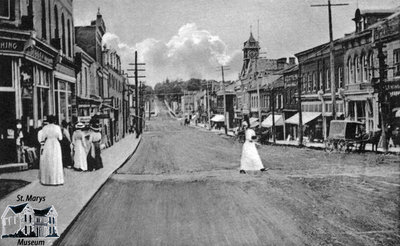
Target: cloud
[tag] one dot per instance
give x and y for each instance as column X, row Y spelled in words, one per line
column 192, row 52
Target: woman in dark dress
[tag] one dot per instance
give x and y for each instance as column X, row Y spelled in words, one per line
column 66, row 145
column 94, row 156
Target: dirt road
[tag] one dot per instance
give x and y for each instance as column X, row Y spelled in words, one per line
column 183, row 187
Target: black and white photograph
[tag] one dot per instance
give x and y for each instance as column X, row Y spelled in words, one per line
column 200, row 122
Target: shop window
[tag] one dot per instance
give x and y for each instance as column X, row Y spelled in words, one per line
column 5, row 9
column 5, row 71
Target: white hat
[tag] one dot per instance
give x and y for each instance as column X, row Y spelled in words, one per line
column 79, row 125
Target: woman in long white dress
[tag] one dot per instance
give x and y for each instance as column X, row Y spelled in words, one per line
column 79, row 145
column 250, row 160
column 51, row 168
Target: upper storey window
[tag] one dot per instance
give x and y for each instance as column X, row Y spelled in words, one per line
column 5, row 11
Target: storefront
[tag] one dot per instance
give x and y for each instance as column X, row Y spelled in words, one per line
column 25, row 90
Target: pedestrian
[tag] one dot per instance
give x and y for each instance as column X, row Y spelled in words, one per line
column 66, row 145
column 51, row 168
column 94, row 160
column 79, row 146
column 19, row 141
column 250, row 160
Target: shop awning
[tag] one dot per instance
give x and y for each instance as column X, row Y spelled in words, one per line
column 268, row 121
column 218, row 118
column 253, row 122
column 306, row 117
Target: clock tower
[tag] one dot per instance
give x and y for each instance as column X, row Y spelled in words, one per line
column 251, row 50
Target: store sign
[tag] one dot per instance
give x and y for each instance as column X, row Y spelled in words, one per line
column 39, row 55
column 11, row 45
column 84, row 119
column 392, row 86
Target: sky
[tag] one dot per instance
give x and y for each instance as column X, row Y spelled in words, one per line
column 182, row 39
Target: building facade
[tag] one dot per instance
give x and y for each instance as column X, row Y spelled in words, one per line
column 37, row 67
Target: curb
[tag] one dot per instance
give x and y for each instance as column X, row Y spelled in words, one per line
column 13, row 167
column 62, row 236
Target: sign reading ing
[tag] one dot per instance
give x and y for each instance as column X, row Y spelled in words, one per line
column 11, row 45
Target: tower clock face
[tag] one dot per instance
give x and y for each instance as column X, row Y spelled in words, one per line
column 253, row 54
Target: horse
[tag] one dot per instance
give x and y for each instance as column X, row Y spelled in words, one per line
column 372, row 138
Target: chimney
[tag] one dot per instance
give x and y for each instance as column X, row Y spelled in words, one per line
column 292, row 60
column 281, row 63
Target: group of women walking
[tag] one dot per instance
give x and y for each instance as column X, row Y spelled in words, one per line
column 59, row 150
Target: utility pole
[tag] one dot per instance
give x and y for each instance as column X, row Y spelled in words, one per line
column 272, row 94
column 331, row 56
column 382, row 94
column 209, row 106
column 258, row 92
column 224, row 95
column 136, row 76
column 299, row 86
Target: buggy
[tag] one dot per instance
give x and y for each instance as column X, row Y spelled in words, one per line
column 346, row 135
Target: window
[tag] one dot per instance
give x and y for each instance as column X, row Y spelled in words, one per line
column 320, row 80
column 340, row 75
column 364, row 68
column 49, row 20
column 6, row 72
column 371, row 65
column 327, row 80
column 358, row 69
column 86, row 83
column 5, row 11
column 351, row 71
column 396, row 62
column 64, row 48
column 309, row 82
column 26, row 220
column 56, row 30
column 44, row 19
column 314, row 81
column 69, row 40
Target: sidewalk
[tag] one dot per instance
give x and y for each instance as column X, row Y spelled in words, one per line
column 79, row 187
column 316, row 145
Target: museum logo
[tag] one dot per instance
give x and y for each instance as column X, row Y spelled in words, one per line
column 23, row 221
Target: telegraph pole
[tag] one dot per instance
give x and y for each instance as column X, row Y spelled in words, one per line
column 224, row 95
column 299, row 85
column 136, row 76
column 331, row 56
column 382, row 95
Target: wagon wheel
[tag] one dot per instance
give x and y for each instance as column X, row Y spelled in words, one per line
column 350, row 146
column 329, row 145
column 341, row 145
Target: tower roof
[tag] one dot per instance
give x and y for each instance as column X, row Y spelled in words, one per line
column 251, row 42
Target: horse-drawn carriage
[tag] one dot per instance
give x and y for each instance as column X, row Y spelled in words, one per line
column 346, row 135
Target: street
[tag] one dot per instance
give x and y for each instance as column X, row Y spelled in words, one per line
column 183, row 187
